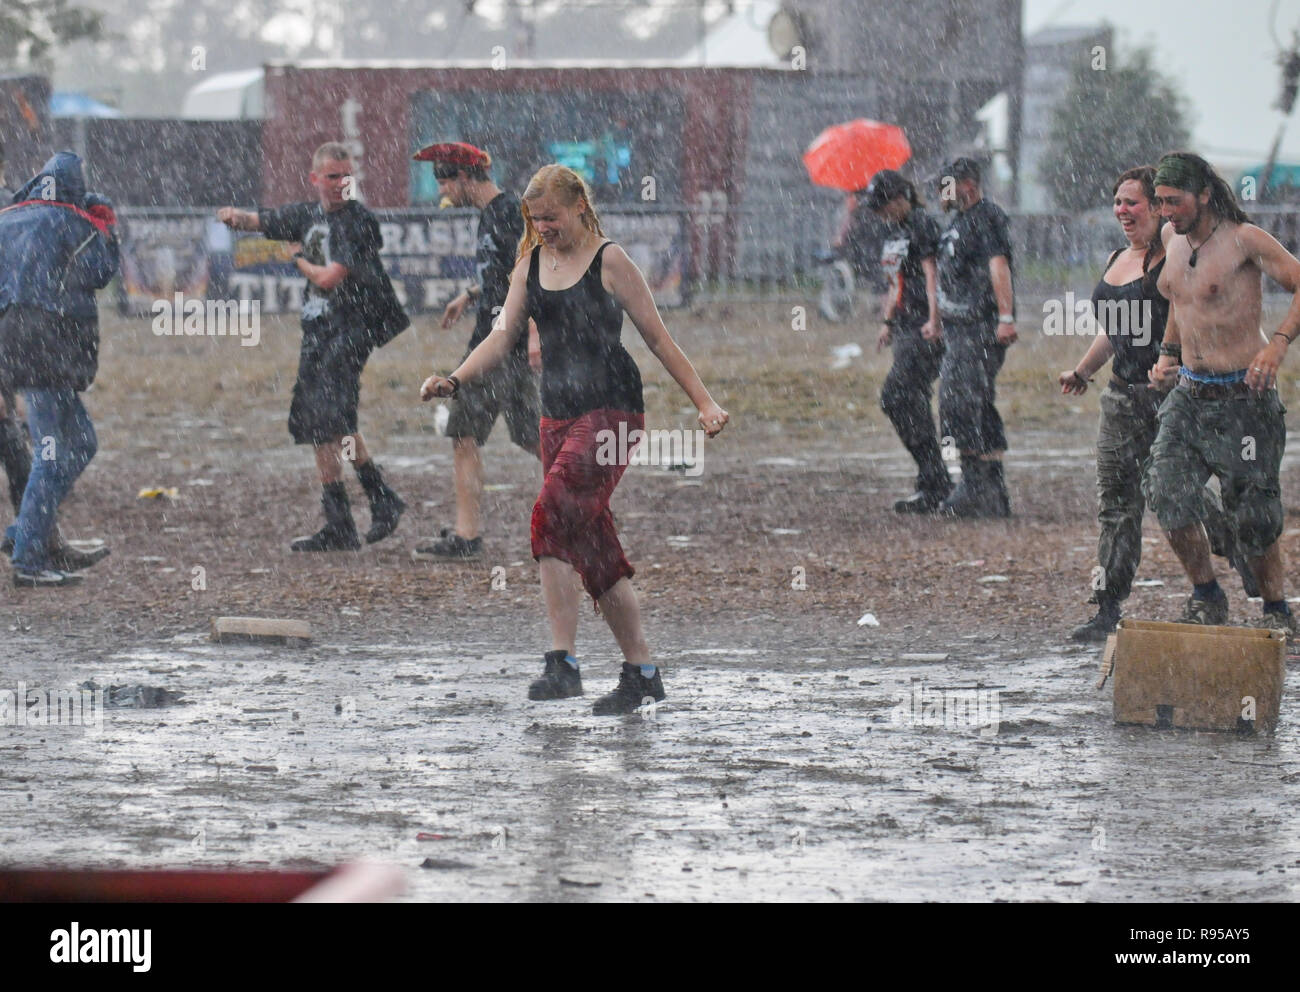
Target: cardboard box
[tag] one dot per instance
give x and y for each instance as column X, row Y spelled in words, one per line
column 1206, row 678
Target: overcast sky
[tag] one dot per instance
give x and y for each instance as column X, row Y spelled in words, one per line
column 1221, row 53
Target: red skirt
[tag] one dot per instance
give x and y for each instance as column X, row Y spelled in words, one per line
column 571, row 519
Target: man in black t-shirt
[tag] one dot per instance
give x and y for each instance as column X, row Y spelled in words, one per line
column 511, row 388
column 350, row 309
column 911, row 327
column 977, row 306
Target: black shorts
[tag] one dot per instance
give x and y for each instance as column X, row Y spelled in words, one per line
column 509, row 389
column 328, row 388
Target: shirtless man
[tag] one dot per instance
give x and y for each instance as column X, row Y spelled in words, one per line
column 1224, row 416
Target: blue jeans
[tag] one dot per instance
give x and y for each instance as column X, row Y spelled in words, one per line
column 63, row 442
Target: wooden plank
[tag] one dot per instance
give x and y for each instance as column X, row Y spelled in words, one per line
column 1107, row 659
column 1209, row 678
column 236, row 629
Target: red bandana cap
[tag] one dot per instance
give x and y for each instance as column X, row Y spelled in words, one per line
column 455, row 153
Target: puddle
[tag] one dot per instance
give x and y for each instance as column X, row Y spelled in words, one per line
column 767, row 774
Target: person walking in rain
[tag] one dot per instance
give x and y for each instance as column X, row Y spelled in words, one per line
column 1223, row 417
column 16, row 460
column 977, row 307
column 576, row 285
column 58, row 244
column 911, row 326
column 1130, row 315
column 349, row 310
column 511, row 388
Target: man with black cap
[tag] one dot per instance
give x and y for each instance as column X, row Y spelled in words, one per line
column 1224, row 416
column 510, row 389
column 977, row 306
column 911, row 327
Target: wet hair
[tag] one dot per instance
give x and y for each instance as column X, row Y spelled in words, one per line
column 476, row 173
column 1189, row 172
column 567, row 186
column 331, row 151
column 1144, row 176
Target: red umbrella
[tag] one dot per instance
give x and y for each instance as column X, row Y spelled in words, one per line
column 846, row 156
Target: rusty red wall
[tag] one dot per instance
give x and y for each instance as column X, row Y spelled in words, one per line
column 304, row 108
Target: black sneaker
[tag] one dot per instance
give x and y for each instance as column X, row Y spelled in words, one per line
column 1099, row 627
column 1284, row 622
column 385, row 512
column 329, row 538
column 921, row 501
column 45, row 577
column 450, row 546
column 634, row 691
column 559, row 680
column 1206, row 612
column 69, row 559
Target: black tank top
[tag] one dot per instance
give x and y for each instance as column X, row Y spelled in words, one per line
column 584, row 364
column 1133, row 316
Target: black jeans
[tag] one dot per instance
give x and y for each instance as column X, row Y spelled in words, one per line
column 905, row 399
column 968, row 387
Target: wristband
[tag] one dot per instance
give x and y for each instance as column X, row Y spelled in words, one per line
column 1004, row 319
column 1172, row 350
column 455, row 385
column 1279, row 334
column 1082, row 378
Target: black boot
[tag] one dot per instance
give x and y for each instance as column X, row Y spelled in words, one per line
column 633, row 691
column 998, row 485
column 932, row 488
column 1100, row 626
column 340, row 531
column 559, row 679
column 386, row 506
column 981, row 492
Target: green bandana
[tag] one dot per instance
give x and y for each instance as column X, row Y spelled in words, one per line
column 1180, row 174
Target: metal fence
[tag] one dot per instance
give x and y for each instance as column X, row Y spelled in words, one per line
column 768, row 252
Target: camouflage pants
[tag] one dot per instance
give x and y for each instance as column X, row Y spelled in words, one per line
column 1239, row 439
column 1126, row 432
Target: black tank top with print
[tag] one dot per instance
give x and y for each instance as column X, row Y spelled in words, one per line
column 584, row 364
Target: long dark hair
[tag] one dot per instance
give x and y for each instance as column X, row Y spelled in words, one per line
column 1144, row 176
column 1222, row 200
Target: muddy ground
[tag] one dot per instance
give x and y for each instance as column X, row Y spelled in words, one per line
column 774, row 770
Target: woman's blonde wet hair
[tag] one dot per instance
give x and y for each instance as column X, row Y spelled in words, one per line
column 566, row 186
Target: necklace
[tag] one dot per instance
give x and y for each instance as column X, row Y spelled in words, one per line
column 555, row 257
column 1191, row 262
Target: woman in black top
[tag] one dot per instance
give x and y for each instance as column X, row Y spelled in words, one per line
column 576, row 285
column 1130, row 314
column 911, row 326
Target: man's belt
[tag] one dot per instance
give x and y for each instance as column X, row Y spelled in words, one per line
column 1213, row 387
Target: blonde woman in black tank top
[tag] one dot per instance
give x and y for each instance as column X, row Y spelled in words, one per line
column 576, row 285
